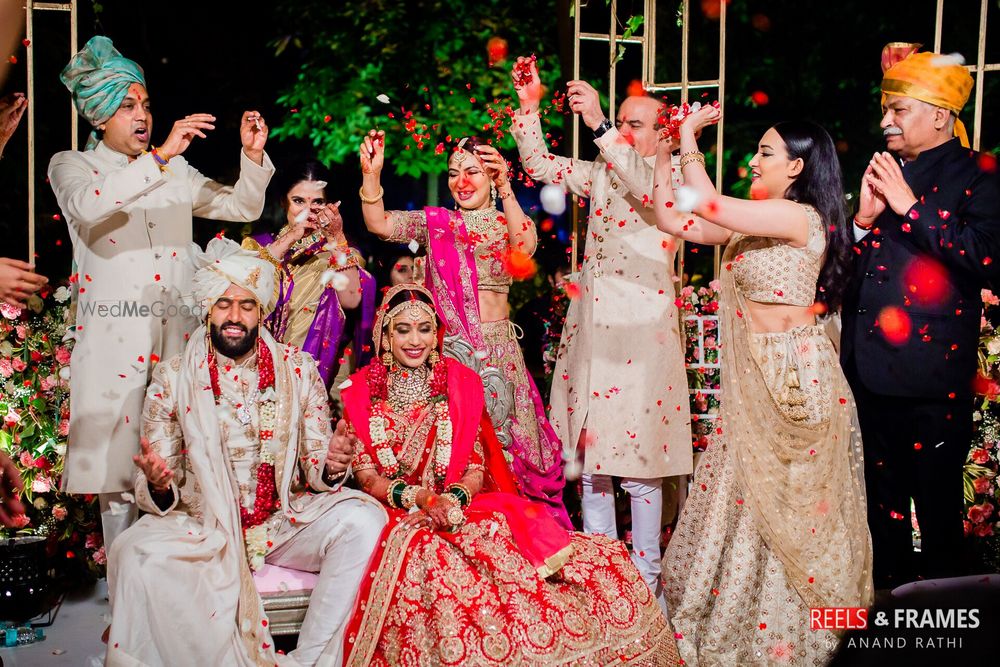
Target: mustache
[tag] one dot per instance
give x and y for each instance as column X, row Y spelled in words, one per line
column 891, row 132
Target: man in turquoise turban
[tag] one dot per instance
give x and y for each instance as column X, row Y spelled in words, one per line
column 99, row 78
column 129, row 208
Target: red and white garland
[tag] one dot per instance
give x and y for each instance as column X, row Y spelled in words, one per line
column 380, row 425
column 266, row 493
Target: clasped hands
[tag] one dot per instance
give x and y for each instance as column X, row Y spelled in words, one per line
column 883, row 184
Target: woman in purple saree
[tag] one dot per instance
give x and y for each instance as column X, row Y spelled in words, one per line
column 325, row 299
column 470, row 252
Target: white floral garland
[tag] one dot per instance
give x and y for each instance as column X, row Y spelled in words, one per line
column 382, row 435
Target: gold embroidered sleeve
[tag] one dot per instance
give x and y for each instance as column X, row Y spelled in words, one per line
column 477, row 458
column 163, row 430
column 315, row 430
column 407, row 226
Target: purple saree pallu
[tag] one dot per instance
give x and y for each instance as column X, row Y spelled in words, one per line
column 326, row 338
column 451, row 276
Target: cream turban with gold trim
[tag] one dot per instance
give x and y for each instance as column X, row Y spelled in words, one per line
column 225, row 263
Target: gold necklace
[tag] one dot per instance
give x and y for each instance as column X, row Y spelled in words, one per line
column 408, row 387
column 480, row 220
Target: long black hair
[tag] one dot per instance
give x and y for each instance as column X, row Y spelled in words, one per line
column 820, row 184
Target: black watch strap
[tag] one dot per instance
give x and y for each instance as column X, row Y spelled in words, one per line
column 602, row 128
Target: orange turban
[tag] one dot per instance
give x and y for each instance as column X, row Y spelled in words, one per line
column 931, row 78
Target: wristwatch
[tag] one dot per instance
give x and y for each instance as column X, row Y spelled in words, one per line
column 602, row 128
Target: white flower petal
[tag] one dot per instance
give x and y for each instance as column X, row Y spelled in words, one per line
column 553, row 199
column 301, row 217
column 946, row 60
column 340, row 281
column 383, row 98
column 413, row 246
column 687, row 199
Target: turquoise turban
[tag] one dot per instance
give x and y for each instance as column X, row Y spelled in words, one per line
column 98, row 77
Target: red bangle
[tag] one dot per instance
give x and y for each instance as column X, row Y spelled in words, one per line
column 860, row 226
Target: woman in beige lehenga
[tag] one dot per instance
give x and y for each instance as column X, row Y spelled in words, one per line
column 775, row 523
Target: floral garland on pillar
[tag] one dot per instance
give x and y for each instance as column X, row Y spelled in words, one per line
column 266, row 500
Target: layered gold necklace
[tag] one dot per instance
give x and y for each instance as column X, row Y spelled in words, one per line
column 480, row 220
column 409, row 387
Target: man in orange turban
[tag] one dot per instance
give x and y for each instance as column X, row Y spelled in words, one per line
column 928, row 231
column 938, row 81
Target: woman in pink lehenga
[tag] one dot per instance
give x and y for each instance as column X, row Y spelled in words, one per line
column 470, row 251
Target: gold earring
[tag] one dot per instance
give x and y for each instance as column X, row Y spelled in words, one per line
column 433, row 357
column 493, row 192
column 387, row 354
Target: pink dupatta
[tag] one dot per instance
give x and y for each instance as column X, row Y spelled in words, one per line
column 452, row 279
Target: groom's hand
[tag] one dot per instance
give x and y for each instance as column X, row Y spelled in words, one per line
column 340, row 452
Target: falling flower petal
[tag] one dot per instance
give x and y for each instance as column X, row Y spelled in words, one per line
column 383, row 98
column 687, row 199
column 553, row 198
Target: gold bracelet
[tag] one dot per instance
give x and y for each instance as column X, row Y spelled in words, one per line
column 685, row 161
column 266, row 255
column 409, row 497
column 372, row 200
column 509, row 193
column 692, row 153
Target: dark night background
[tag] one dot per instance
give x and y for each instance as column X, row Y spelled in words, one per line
column 817, row 60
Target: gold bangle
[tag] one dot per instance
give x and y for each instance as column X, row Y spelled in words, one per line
column 409, row 497
column 694, row 158
column 693, row 153
column 372, row 200
column 266, row 255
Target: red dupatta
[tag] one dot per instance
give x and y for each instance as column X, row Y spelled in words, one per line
column 539, row 537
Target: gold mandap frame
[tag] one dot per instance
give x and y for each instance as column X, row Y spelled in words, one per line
column 651, row 83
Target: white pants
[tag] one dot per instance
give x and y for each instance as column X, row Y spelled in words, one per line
column 598, row 504
column 337, row 546
column 145, row 600
column 117, row 514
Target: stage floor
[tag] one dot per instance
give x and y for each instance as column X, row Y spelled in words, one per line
column 74, row 640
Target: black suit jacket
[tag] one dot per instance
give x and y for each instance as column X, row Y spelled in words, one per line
column 954, row 230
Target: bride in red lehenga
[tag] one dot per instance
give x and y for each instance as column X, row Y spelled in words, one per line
column 469, row 572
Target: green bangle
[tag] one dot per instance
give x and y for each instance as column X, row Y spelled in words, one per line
column 394, row 496
column 461, row 493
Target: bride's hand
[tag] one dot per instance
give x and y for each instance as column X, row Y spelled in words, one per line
column 697, row 121
column 437, row 508
column 418, row 519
